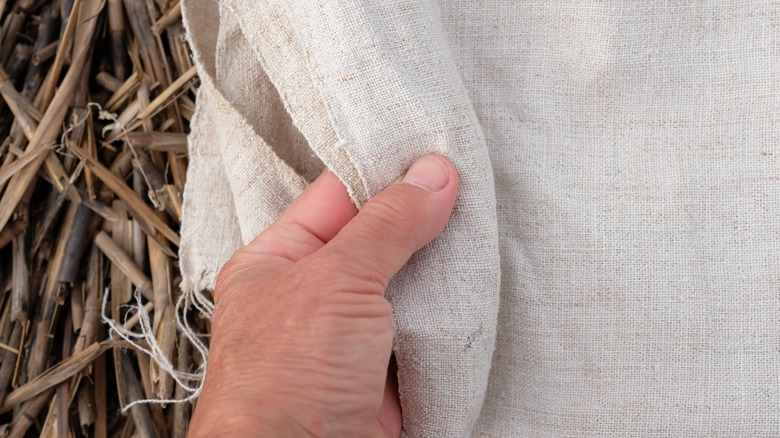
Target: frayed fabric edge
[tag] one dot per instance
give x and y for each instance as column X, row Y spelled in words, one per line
column 137, row 313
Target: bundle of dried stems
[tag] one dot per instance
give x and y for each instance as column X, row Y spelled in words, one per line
column 96, row 101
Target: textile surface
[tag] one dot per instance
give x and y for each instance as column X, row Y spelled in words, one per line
column 612, row 267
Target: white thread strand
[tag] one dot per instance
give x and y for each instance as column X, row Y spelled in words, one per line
column 191, row 382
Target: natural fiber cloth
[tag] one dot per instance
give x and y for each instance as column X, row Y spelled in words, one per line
column 612, row 267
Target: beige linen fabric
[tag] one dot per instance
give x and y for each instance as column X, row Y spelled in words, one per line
column 367, row 118
column 620, row 195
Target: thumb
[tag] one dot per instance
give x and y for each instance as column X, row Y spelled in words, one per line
column 397, row 222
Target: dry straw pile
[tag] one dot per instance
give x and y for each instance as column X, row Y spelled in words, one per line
column 96, row 100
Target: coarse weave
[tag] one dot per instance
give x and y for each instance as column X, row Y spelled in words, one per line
column 612, row 267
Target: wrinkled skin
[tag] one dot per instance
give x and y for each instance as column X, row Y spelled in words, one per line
column 302, row 332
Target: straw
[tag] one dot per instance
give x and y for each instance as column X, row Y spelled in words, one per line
column 96, row 337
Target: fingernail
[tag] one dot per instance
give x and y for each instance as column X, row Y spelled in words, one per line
column 428, row 173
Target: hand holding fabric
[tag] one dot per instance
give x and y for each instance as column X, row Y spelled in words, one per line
column 302, row 332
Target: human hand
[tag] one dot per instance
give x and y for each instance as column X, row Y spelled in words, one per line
column 301, row 331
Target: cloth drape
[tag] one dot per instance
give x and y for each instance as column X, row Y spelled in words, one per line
column 612, row 266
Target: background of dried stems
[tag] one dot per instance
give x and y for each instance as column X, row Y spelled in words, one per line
column 96, row 100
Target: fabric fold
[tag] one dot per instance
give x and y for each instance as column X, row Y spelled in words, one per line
column 369, row 100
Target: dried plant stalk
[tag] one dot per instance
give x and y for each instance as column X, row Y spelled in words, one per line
column 120, row 258
column 108, row 82
column 9, row 359
column 158, row 141
column 13, row 229
column 87, row 219
column 20, row 287
column 54, row 376
column 137, row 207
column 116, row 25
column 55, row 113
column 144, row 423
column 181, row 411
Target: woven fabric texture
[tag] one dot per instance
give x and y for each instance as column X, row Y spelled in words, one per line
column 612, row 267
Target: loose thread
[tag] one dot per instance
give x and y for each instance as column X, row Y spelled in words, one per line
column 191, row 382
